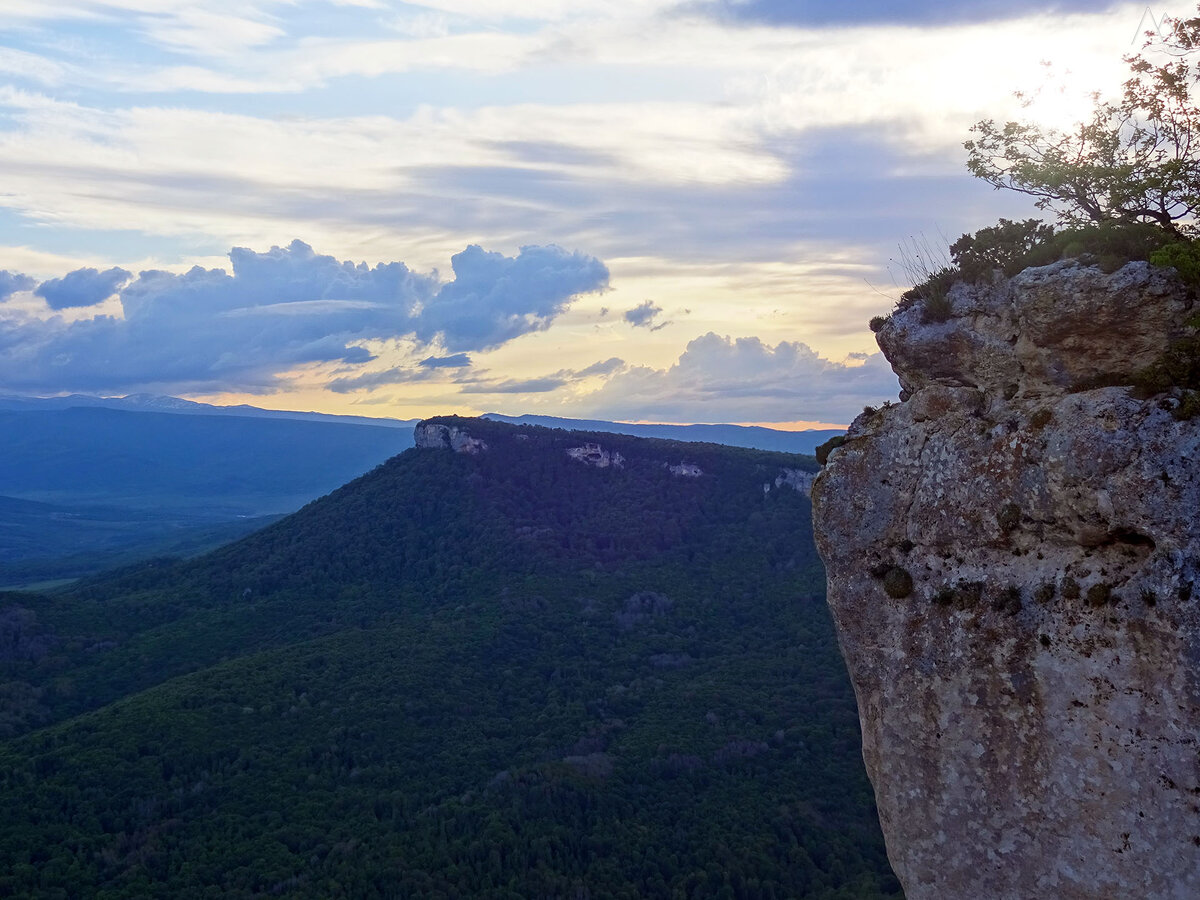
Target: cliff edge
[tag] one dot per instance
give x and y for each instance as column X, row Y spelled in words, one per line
column 1012, row 555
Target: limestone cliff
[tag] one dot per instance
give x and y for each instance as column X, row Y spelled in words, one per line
column 1011, row 557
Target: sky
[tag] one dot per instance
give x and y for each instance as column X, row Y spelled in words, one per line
column 640, row 210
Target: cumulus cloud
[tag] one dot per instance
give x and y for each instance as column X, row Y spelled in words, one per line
column 11, row 282
column 209, row 329
column 495, row 298
column 83, row 287
column 718, row 379
column 643, row 315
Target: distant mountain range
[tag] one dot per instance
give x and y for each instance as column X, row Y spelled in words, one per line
column 123, row 476
column 752, row 436
column 163, row 404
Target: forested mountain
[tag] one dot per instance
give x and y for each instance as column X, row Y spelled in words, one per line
column 562, row 665
column 123, row 478
column 753, row 436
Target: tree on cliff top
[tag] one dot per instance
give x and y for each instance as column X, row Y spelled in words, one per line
column 1136, row 160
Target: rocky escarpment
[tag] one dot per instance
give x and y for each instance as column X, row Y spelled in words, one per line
column 436, row 436
column 1012, row 556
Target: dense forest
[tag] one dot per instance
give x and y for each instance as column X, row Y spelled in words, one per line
column 500, row 674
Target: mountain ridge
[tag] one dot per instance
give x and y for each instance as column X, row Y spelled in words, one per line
column 507, row 673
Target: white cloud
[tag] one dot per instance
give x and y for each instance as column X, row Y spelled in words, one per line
column 719, row 379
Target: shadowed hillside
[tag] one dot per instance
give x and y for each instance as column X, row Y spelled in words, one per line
column 494, row 674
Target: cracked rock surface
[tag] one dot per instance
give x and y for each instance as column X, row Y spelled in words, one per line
column 1012, row 558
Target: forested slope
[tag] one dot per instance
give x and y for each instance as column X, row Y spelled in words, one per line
column 509, row 674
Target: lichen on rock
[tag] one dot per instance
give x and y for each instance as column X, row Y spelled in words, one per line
column 1030, row 704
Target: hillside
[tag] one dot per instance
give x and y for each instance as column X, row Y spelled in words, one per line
column 124, row 485
column 494, row 674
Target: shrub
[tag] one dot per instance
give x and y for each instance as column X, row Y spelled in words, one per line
column 822, row 452
column 1099, row 594
column 1183, row 257
column 1003, row 246
column 1008, row 601
column 967, row 594
column 1108, row 245
column 898, row 583
column 1070, row 588
column 877, row 322
column 1041, row 418
column 1009, row 517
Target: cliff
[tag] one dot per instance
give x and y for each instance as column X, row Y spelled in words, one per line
column 1011, row 555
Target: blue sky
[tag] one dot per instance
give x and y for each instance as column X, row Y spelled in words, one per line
column 653, row 210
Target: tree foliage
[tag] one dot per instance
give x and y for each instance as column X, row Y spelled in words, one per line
column 495, row 676
column 1135, row 159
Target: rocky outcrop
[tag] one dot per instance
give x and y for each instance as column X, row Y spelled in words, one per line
column 436, row 436
column 595, row 455
column 685, row 470
column 798, row 480
column 1012, row 556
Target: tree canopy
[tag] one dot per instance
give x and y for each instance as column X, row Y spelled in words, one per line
column 1136, row 158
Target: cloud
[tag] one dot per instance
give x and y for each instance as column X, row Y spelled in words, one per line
column 83, row 287
column 820, row 13
column 607, row 367
column 543, row 384
column 370, row 380
column 457, row 361
column 280, row 310
column 719, row 379
column 495, row 298
column 642, row 315
column 11, row 282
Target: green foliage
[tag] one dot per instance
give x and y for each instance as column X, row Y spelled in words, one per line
column 1176, row 370
column 828, row 447
column 503, row 675
column 1004, row 246
column 1183, row 256
column 1108, row 245
column 932, row 294
column 1132, row 161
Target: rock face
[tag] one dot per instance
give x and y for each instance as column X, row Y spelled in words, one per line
column 595, row 455
column 435, row 436
column 1012, row 556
